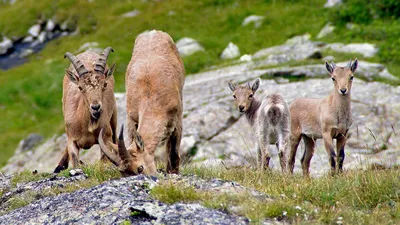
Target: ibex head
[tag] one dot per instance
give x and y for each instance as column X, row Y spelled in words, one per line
column 244, row 94
column 129, row 161
column 91, row 84
column 342, row 77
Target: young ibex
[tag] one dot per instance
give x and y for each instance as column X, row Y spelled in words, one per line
column 269, row 119
column 154, row 82
column 328, row 118
column 88, row 104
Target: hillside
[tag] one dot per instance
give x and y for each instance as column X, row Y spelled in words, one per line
column 30, row 94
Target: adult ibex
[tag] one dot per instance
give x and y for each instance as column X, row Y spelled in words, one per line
column 328, row 118
column 269, row 119
column 154, row 82
column 88, row 104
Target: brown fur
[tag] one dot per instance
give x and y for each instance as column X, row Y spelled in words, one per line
column 154, row 82
column 80, row 125
column 328, row 118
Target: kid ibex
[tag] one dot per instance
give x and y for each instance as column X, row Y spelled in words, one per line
column 328, row 118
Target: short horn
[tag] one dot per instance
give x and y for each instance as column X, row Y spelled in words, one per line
column 78, row 65
column 100, row 64
column 123, row 153
column 111, row 156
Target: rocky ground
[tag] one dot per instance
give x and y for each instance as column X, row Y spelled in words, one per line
column 215, row 133
column 114, row 202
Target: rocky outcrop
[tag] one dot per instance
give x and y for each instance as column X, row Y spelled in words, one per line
column 116, row 201
column 214, row 131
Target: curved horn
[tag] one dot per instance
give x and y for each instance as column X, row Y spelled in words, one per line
column 349, row 64
column 123, row 153
column 100, row 64
column 78, row 65
column 111, row 156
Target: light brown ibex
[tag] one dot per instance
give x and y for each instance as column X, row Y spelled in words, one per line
column 88, row 104
column 154, row 82
column 328, row 118
column 269, row 119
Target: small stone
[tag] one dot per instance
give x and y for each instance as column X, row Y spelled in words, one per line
column 34, row 30
column 42, row 36
column 88, row 46
column 230, row 52
column 257, row 20
column 75, row 172
column 328, row 28
column 331, row 3
column 299, row 39
column 26, row 53
column 27, row 39
column 5, row 45
column 50, row 25
column 188, row 46
column 133, row 13
column 245, row 58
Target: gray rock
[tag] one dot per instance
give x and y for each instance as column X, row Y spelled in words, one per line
column 90, row 46
column 26, row 53
column 255, row 19
column 331, row 3
column 366, row 49
column 5, row 45
column 299, row 39
column 231, row 51
column 27, row 144
column 132, row 13
column 50, row 25
column 328, row 28
column 34, row 30
column 42, row 36
column 27, row 39
column 188, row 46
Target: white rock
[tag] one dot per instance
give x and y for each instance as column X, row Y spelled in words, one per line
column 26, row 53
column 245, row 58
column 231, row 51
column 34, row 30
column 301, row 39
column 188, row 46
column 366, row 49
column 328, row 28
column 132, row 13
column 5, row 45
column 42, row 36
column 27, row 39
column 75, row 172
column 88, row 46
column 331, row 3
column 50, row 25
column 257, row 20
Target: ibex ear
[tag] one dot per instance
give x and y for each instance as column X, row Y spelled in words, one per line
column 354, row 66
column 255, row 85
column 329, row 67
column 110, row 71
column 72, row 77
column 139, row 142
column 231, row 86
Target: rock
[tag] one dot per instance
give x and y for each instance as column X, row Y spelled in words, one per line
column 5, row 45
column 331, row 3
column 366, row 49
column 118, row 201
column 328, row 28
column 245, row 58
column 34, row 30
column 27, row 39
column 256, row 20
column 50, row 25
column 75, row 172
column 132, row 13
column 42, row 36
column 230, row 52
column 299, row 39
column 188, row 46
column 90, row 46
column 26, row 53
column 27, row 144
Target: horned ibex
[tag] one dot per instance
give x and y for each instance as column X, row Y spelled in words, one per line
column 269, row 119
column 154, row 82
column 328, row 118
column 88, row 104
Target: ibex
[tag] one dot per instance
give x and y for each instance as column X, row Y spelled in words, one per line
column 328, row 118
column 154, row 82
column 88, row 104
column 269, row 119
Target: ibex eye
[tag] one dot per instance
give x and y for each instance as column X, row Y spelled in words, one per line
column 333, row 78
column 351, row 78
column 251, row 95
column 234, row 96
column 105, row 84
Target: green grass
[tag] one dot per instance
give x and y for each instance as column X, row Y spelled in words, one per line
column 27, row 176
column 355, row 197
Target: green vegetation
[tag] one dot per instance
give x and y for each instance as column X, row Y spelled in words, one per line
column 27, row 176
column 30, row 95
column 355, row 197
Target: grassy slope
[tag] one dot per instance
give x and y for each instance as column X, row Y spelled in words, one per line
column 30, row 95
